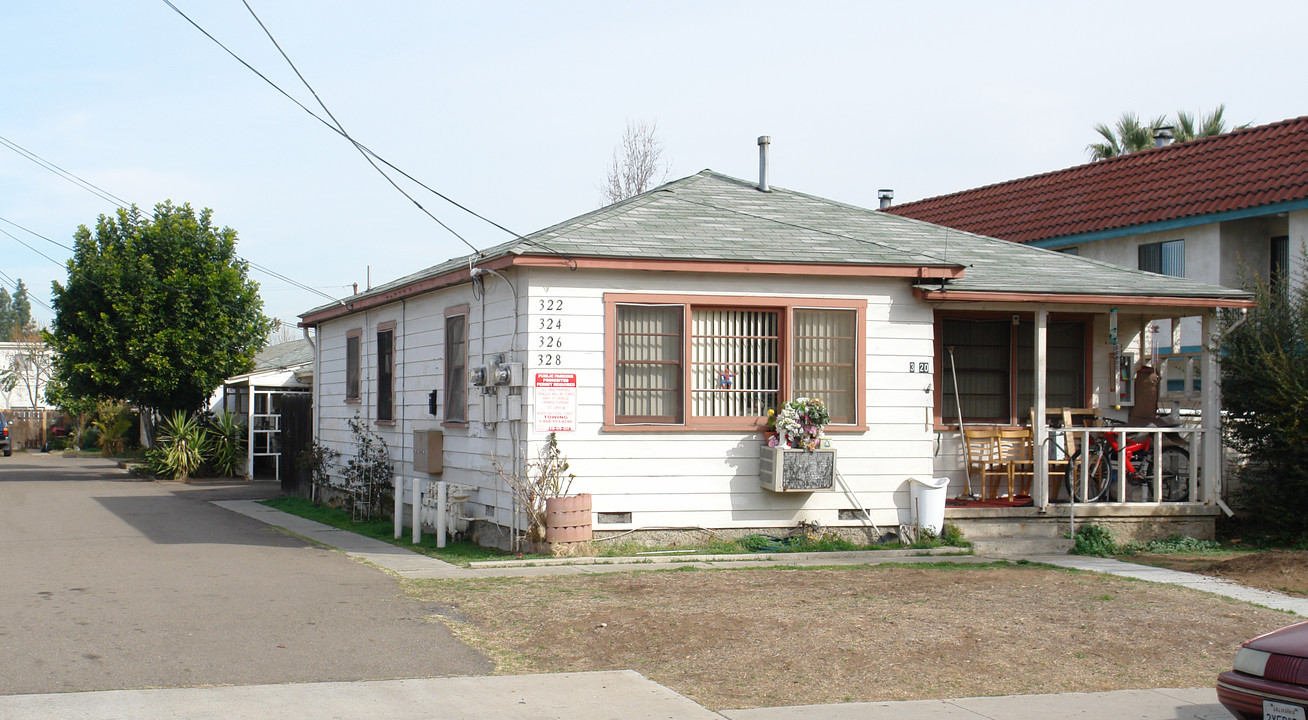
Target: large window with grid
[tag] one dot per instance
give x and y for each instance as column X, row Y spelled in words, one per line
column 993, row 360
column 706, row 363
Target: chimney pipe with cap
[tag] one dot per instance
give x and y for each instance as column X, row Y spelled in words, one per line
column 885, row 195
column 1163, row 136
column 763, row 142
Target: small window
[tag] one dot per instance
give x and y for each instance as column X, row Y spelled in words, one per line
column 1164, row 258
column 1278, row 272
column 456, row 369
column 386, row 375
column 352, row 366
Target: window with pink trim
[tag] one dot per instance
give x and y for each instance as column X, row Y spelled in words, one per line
column 711, row 364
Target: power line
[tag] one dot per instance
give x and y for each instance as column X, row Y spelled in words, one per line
column 14, row 284
column 341, row 129
column 33, row 232
column 70, row 177
column 368, row 152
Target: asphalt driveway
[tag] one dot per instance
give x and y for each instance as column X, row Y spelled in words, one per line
column 110, row 582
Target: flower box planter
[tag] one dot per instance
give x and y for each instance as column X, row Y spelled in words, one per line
column 783, row 469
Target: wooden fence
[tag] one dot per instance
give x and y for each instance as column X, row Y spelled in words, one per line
column 29, row 428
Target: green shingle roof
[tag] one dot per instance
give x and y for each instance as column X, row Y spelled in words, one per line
column 712, row 217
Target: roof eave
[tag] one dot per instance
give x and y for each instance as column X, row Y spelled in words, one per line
column 463, row 275
column 930, row 295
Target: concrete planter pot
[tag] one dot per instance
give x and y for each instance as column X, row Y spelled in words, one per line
column 568, row 519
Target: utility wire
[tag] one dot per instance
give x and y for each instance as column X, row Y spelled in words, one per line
column 341, row 129
column 361, row 147
column 70, row 177
column 33, row 232
column 14, row 284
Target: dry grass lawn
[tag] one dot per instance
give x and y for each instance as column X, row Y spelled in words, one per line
column 772, row 637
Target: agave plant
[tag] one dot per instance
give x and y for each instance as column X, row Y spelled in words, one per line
column 227, row 444
column 184, row 442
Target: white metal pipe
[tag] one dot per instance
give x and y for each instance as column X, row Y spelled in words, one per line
column 398, row 515
column 442, row 498
column 417, row 511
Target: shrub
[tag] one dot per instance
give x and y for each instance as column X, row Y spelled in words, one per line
column 226, row 444
column 1265, row 396
column 183, row 441
column 1093, row 540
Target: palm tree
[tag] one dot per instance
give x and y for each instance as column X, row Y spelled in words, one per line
column 1127, row 137
column 1130, row 135
column 1209, row 125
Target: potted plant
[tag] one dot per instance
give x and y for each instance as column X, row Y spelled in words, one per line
column 793, row 459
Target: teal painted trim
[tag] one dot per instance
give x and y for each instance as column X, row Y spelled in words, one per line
column 1177, row 224
column 1192, row 348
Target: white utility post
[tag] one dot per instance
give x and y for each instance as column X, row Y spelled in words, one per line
column 1211, row 407
column 417, row 511
column 1040, row 489
column 398, row 515
column 442, row 498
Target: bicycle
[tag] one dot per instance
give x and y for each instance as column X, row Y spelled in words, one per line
column 1101, row 472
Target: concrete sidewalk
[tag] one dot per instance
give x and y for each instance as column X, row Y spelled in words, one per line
column 615, row 695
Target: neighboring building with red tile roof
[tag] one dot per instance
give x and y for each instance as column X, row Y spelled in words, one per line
column 1215, row 210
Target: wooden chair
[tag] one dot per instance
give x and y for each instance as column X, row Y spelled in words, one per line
column 1013, row 462
column 979, row 443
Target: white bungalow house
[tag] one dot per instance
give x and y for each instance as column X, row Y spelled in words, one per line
column 653, row 334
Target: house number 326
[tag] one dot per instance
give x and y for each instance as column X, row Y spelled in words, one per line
column 919, row 367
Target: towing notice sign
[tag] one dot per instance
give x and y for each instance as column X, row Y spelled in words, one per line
column 555, row 402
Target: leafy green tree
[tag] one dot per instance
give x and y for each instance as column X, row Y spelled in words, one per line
column 15, row 312
column 1265, row 396
column 155, row 311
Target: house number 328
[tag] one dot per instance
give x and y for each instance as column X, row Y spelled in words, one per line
column 919, row 367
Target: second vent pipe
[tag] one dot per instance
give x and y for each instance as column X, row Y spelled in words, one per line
column 763, row 142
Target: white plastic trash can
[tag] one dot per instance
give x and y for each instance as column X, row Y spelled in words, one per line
column 928, row 497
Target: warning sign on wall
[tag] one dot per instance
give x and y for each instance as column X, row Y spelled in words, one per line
column 555, row 402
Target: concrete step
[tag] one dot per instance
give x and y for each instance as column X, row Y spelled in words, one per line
column 1020, row 545
column 985, row 528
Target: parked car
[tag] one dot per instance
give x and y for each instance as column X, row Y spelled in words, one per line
column 5, row 445
column 1270, row 677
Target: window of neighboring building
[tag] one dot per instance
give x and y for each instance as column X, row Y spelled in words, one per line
column 708, row 363
column 386, row 374
column 352, row 365
column 1278, row 272
column 456, row 365
column 994, row 362
column 1164, row 258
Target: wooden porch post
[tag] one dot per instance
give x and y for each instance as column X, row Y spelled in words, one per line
column 249, row 427
column 1040, row 483
column 1211, row 408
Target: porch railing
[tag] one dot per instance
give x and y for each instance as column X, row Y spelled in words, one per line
column 1191, row 438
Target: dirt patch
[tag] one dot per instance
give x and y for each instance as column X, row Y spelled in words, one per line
column 1280, row 571
column 773, row 637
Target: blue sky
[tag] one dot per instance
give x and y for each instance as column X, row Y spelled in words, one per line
column 514, row 108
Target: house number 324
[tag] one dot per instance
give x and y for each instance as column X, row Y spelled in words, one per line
column 919, row 367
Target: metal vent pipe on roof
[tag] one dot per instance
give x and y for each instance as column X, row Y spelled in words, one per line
column 886, row 196
column 763, row 142
column 1163, row 136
